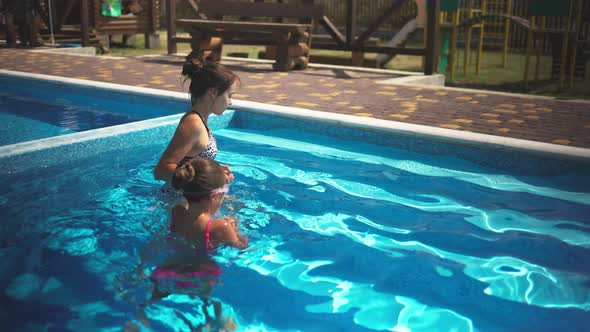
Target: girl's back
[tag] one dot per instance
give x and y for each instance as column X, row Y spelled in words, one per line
column 184, row 225
column 204, row 185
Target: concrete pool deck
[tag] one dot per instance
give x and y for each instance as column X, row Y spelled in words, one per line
column 374, row 94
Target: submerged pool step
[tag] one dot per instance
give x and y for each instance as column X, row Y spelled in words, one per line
column 51, row 142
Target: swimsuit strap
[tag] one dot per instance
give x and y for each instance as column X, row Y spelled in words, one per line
column 207, row 234
column 204, row 123
column 210, row 151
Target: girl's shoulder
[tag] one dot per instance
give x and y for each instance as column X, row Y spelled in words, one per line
column 221, row 227
column 226, row 231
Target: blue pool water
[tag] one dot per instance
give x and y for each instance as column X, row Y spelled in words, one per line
column 26, row 120
column 33, row 111
column 345, row 235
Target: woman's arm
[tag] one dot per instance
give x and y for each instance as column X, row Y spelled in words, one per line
column 188, row 134
column 229, row 175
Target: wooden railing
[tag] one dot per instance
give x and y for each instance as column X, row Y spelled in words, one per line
column 366, row 10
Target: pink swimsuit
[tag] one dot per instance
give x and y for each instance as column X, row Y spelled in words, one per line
column 208, row 234
column 200, row 278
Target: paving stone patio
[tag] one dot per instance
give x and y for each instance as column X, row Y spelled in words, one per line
column 342, row 91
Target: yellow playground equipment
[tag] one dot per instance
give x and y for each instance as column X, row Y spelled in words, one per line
column 489, row 21
column 452, row 19
column 498, row 21
column 580, row 38
column 469, row 13
column 449, row 31
column 492, row 21
column 539, row 12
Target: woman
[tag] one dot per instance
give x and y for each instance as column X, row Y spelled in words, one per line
column 212, row 86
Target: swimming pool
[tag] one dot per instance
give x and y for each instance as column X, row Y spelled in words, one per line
column 33, row 111
column 350, row 231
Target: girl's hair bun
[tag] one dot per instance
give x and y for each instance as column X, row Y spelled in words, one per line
column 197, row 177
column 183, row 175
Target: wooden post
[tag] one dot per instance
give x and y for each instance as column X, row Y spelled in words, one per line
column 67, row 9
column 433, row 10
column 564, row 49
column 529, row 43
column 539, row 46
column 454, row 37
column 282, row 56
column 84, row 22
column 508, row 12
column 480, row 41
column 171, row 21
column 469, row 34
column 421, row 13
column 574, row 47
column 351, row 9
column 351, row 28
column 53, row 11
column 304, row 38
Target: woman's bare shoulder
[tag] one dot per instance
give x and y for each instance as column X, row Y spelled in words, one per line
column 191, row 129
column 191, row 121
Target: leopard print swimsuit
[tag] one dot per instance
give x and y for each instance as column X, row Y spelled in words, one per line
column 211, row 151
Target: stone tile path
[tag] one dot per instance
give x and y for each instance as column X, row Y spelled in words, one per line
column 341, row 91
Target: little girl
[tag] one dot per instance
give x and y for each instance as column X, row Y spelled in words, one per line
column 203, row 183
column 195, row 233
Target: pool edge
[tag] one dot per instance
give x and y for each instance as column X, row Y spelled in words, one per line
column 88, row 135
column 370, row 124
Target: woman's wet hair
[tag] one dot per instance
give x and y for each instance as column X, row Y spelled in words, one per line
column 206, row 74
column 198, row 177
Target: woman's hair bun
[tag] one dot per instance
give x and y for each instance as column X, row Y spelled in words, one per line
column 183, row 175
column 194, row 64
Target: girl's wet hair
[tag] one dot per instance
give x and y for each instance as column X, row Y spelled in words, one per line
column 198, row 177
column 206, row 74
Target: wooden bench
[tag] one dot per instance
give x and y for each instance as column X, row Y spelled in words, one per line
column 289, row 41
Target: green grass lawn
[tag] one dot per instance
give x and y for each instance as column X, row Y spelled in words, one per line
column 492, row 76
